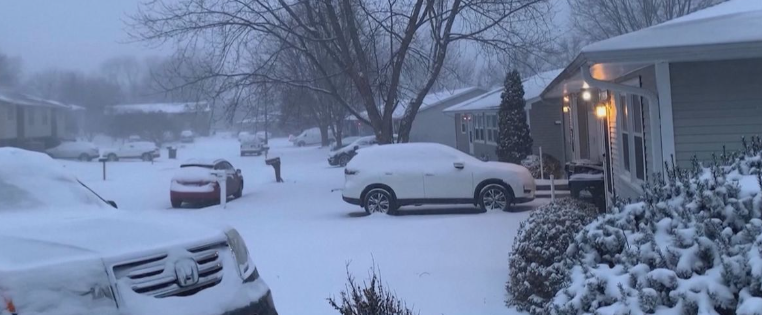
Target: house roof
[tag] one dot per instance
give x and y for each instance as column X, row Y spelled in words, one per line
column 18, row 98
column 429, row 101
column 533, row 86
column 730, row 30
column 168, row 108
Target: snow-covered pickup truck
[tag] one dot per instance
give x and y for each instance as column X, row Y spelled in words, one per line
column 66, row 251
column 133, row 150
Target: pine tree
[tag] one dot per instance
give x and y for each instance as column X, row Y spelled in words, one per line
column 514, row 142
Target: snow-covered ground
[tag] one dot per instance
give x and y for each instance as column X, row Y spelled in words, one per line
column 302, row 235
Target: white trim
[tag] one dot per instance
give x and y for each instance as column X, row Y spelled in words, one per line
column 667, row 123
column 573, row 104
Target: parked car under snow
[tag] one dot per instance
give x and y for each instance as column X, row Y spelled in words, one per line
column 430, row 173
column 83, row 151
column 143, row 150
column 67, row 251
column 195, row 182
column 344, row 154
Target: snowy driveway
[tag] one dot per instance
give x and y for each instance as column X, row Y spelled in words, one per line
column 301, row 235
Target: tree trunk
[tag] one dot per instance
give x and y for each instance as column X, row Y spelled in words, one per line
column 324, row 139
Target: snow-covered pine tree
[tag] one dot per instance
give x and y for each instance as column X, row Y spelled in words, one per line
column 514, row 142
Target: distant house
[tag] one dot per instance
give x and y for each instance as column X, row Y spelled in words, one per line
column 688, row 87
column 430, row 121
column 476, row 121
column 155, row 119
column 34, row 123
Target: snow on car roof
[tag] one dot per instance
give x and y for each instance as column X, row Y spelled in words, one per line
column 533, row 86
column 202, row 161
column 735, row 21
column 31, row 180
column 419, row 152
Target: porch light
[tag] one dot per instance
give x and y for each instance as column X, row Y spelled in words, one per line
column 600, row 111
column 566, row 99
column 586, row 95
column 566, row 109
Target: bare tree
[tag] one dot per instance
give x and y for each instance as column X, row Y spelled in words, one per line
column 373, row 44
column 10, row 70
column 600, row 19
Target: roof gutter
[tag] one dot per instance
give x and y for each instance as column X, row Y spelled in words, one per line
column 653, row 110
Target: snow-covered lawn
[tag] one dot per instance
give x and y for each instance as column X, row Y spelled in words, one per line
column 302, row 235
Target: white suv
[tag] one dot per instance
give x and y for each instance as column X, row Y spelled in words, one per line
column 66, row 251
column 384, row 178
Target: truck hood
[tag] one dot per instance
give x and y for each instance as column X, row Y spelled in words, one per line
column 51, row 238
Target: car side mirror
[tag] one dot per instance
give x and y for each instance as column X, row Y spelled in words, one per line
column 459, row 165
column 112, row 203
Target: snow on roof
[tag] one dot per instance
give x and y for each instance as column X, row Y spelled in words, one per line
column 23, row 99
column 429, row 101
column 169, row 108
column 735, row 21
column 533, row 86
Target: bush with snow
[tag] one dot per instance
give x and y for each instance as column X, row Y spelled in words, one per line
column 536, row 267
column 550, row 166
column 691, row 245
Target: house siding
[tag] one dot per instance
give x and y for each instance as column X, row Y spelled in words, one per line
column 714, row 104
column 545, row 132
column 434, row 125
column 7, row 121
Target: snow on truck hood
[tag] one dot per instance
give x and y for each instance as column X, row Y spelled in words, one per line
column 49, row 238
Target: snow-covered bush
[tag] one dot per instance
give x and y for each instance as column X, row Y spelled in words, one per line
column 372, row 298
column 550, row 165
column 536, row 267
column 691, row 245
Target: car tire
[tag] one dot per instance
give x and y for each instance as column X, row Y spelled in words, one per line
column 379, row 200
column 243, row 154
column 146, row 157
column 495, row 197
column 176, row 203
column 300, row 144
column 113, row 158
column 239, row 193
column 344, row 160
column 84, row 158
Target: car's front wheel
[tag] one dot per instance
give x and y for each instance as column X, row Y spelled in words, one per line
column 379, row 200
column 84, row 157
column 147, row 157
column 344, row 160
column 495, row 197
column 113, row 158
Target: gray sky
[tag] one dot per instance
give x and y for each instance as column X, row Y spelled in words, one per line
column 68, row 34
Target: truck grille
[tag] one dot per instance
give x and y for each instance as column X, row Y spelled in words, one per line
column 156, row 276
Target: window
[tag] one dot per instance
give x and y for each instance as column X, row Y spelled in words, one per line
column 492, row 128
column 30, row 116
column 45, row 117
column 11, row 113
column 479, row 127
column 633, row 139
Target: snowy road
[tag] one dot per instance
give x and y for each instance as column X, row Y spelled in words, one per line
column 302, row 235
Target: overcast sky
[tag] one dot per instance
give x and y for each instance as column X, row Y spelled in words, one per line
column 68, row 34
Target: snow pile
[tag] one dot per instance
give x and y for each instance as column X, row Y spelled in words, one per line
column 194, row 174
column 536, row 268
column 691, row 245
column 550, row 165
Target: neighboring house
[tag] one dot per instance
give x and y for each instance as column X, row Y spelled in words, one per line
column 476, row 121
column 149, row 119
column 31, row 122
column 431, row 124
column 688, row 87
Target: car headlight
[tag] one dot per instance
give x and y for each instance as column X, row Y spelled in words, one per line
column 240, row 252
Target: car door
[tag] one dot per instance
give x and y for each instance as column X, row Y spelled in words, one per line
column 128, row 150
column 404, row 175
column 447, row 177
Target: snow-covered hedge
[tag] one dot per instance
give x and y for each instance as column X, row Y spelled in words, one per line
column 691, row 245
column 550, row 166
column 536, row 267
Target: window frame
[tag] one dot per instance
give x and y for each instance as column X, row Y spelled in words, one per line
column 479, row 127
column 492, row 128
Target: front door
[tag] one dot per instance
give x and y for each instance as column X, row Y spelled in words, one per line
column 470, row 119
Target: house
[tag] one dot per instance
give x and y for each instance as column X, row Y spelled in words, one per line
column 155, row 120
column 476, row 122
column 430, row 119
column 688, row 87
column 33, row 123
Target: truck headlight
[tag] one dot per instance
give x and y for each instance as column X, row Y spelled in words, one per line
column 240, row 252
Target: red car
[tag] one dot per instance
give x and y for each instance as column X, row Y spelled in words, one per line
column 195, row 182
